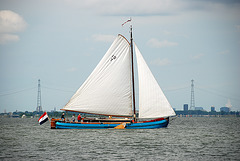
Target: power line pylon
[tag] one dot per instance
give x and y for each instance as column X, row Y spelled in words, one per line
column 192, row 104
column 39, row 102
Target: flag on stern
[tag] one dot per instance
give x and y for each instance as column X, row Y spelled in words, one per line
column 43, row 118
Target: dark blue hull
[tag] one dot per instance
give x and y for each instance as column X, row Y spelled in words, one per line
column 140, row 125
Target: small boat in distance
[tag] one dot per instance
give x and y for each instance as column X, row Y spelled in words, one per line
column 110, row 91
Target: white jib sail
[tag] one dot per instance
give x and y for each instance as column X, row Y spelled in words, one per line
column 152, row 101
column 107, row 90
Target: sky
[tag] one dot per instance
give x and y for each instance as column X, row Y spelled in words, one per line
column 61, row 41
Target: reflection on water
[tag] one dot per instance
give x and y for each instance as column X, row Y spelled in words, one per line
column 184, row 139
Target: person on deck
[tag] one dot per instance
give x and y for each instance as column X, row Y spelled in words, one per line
column 79, row 118
column 63, row 117
column 73, row 118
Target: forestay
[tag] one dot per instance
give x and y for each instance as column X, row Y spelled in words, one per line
column 107, row 90
column 152, row 102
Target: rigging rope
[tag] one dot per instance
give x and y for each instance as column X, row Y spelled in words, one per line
column 57, row 89
column 19, row 91
column 220, row 95
column 6, row 93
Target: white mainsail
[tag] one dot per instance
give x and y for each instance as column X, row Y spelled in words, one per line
column 152, row 101
column 108, row 89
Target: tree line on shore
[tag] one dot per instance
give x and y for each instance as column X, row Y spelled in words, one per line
column 57, row 114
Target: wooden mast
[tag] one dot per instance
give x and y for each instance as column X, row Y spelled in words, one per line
column 133, row 88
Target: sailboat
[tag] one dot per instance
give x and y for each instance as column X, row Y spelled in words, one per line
column 110, row 91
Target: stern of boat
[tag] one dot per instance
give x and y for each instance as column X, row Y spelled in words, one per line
column 53, row 123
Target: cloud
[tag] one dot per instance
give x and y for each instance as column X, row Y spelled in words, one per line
column 149, row 7
column 175, row 34
column 167, row 33
column 126, row 7
column 161, row 62
column 103, row 38
column 238, row 27
column 10, row 24
column 196, row 57
column 159, row 44
column 225, row 52
column 5, row 38
column 73, row 69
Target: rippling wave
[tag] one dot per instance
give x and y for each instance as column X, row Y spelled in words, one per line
column 184, row 139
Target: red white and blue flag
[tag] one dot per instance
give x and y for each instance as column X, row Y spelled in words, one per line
column 43, row 118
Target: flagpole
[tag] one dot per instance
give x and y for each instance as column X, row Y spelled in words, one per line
column 48, row 118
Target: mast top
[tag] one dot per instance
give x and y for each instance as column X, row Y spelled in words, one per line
column 131, row 32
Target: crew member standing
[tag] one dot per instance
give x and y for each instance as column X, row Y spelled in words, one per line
column 63, row 117
column 79, row 118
